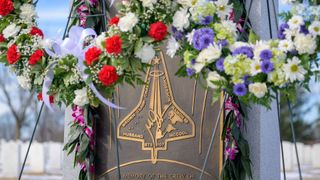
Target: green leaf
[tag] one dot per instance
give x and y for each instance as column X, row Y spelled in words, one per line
column 253, row 37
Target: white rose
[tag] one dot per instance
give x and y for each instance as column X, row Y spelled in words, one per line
column 101, row 39
column 186, row 3
column 172, row 47
column 258, row 89
column 305, row 44
column 11, row 30
column 148, row 3
column 81, row 98
column 181, row 19
column 210, row 54
column 127, row 22
column 24, row 82
column 146, row 53
column 215, row 77
column 28, row 12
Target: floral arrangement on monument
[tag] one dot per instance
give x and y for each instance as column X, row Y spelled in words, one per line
column 83, row 70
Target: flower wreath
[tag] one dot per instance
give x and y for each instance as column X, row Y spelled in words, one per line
column 84, row 72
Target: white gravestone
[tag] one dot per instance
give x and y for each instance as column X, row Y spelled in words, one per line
column 53, row 156
column 288, row 155
column 35, row 161
column 9, row 159
column 315, row 155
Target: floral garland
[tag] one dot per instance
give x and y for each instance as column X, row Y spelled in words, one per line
column 204, row 33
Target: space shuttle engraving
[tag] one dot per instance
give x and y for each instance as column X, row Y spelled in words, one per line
column 156, row 120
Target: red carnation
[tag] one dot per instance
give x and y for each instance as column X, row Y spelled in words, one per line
column 13, row 55
column 35, row 57
column 108, row 75
column 92, row 55
column 6, row 6
column 114, row 21
column 36, row 32
column 40, row 98
column 114, row 45
column 158, row 31
column 2, row 39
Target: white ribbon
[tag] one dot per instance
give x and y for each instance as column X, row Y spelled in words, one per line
column 73, row 45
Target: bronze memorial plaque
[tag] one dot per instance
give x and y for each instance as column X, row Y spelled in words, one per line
column 163, row 133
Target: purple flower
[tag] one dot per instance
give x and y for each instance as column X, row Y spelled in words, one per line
column 245, row 50
column 231, row 152
column 220, row 64
column 282, row 28
column 223, row 43
column 190, row 71
column 240, row 89
column 202, row 38
column 178, row 35
column 266, row 54
column 267, row 66
column 193, row 62
column 246, row 80
column 206, row 20
column 304, row 30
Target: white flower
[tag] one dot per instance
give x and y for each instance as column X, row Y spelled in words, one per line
column 24, row 82
column 181, row 19
column 223, row 9
column 230, row 27
column 289, row 33
column 239, row 44
column 208, row 55
column 258, row 89
column 11, row 30
column 172, row 47
column 286, row 45
column 293, row 70
column 185, row 3
column 295, row 22
column 190, row 37
column 305, row 44
column 127, row 22
column 255, row 67
column 288, row 1
column 314, row 28
column 259, row 47
column 81, row 98
column 100, row 40
column 28, row 13
column 214, row 77
column 148, row 3
column 146, row 53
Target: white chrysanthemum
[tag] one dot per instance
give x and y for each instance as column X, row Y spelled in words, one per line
column 223, row 8
column 305, row 44
column 210, row 54
column 146, row 53
column 214, row 77
column 258, row 89
column 11, row 30
column 190, row 37
column 293, row 70
column 148, row 3
column 290, row 33
column 239, row 44
column 288, row 1
column 230, row 26
column 28, row 13
column 255, row 67
column 172, row 47
column 127, row 22
column 295, row 22
column 286, row 45
column 100, row 40
column 181, row 19
column 314, row 28
column 81, row 98
column 24, row 82
column 185, row 3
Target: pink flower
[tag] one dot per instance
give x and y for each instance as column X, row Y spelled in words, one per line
column 231, row 152
column 88, row 132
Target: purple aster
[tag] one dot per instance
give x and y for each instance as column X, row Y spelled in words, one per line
column 245, row 50
column 220, row 64
column 246, row 80
column 223, row 43
column 193, row 62
column 190, row 71
column 267, row 66
column 206, row 20
column 304, row 30
column 240, row 89
column 266, row 54
column 282, row 28
column 178, row 35
column 203, row 42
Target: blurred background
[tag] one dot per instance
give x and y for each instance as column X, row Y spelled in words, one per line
column 19, row 109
